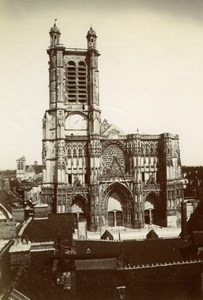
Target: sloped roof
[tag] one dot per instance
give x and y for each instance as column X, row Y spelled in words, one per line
column 19, row 184
column 4, row 244
column 36, row 168
column 193, row 172
column 107, row 235
column 195, row 222
column 8, row 199
column 7, row 174
column 40, row 283
column 12, row 294
column 24, row 184
column 113, row 130
column 44, row 230
column 152, row 235
column 135, row 252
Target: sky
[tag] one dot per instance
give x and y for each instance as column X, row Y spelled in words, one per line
column 151, row 68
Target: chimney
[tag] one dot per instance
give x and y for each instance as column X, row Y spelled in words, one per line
column 35, row 163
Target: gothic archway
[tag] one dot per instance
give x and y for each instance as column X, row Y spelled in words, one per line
column 152, row 209
column 115, row 211
column 117, row 205
column 79, row 209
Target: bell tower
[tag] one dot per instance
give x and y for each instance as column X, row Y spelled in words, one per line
column 53, row 151
column 71, row 125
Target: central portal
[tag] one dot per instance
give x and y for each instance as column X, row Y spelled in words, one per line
column 115, row 213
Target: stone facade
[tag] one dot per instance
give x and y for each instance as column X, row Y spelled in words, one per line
column 91, row 167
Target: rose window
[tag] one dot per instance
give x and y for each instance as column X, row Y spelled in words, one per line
column 113, row 160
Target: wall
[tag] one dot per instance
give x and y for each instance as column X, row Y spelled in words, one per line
column 18, row 214
column 87, row 264
column 41, row 211
column 7, row 229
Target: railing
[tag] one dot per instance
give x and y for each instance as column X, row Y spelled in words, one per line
column 117, row 178
column 158, row 265
column 151, row 186
column 73, row 189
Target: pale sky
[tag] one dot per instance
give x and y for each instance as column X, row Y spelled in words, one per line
column 151, row 68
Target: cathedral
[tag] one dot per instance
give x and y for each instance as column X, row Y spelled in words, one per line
column 92, row 168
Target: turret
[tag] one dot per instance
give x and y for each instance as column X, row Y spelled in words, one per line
column 54, row 35
column 91, row 39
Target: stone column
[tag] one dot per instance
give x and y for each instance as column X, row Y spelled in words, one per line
column 150, row 217
column 114, row 218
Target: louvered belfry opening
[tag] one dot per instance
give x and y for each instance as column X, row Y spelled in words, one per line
column 77, row 81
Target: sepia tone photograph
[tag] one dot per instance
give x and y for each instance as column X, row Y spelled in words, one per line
column 101, row 165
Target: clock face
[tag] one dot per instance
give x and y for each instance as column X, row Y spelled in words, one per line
column 76, row 121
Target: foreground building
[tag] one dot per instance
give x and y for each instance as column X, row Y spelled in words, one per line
column 153, row 268
column 50, row 264
column 92, row 168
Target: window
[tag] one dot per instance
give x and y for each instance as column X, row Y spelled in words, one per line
column 69, row 178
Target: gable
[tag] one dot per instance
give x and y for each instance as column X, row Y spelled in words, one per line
column 111, row 130
column 30, row 169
